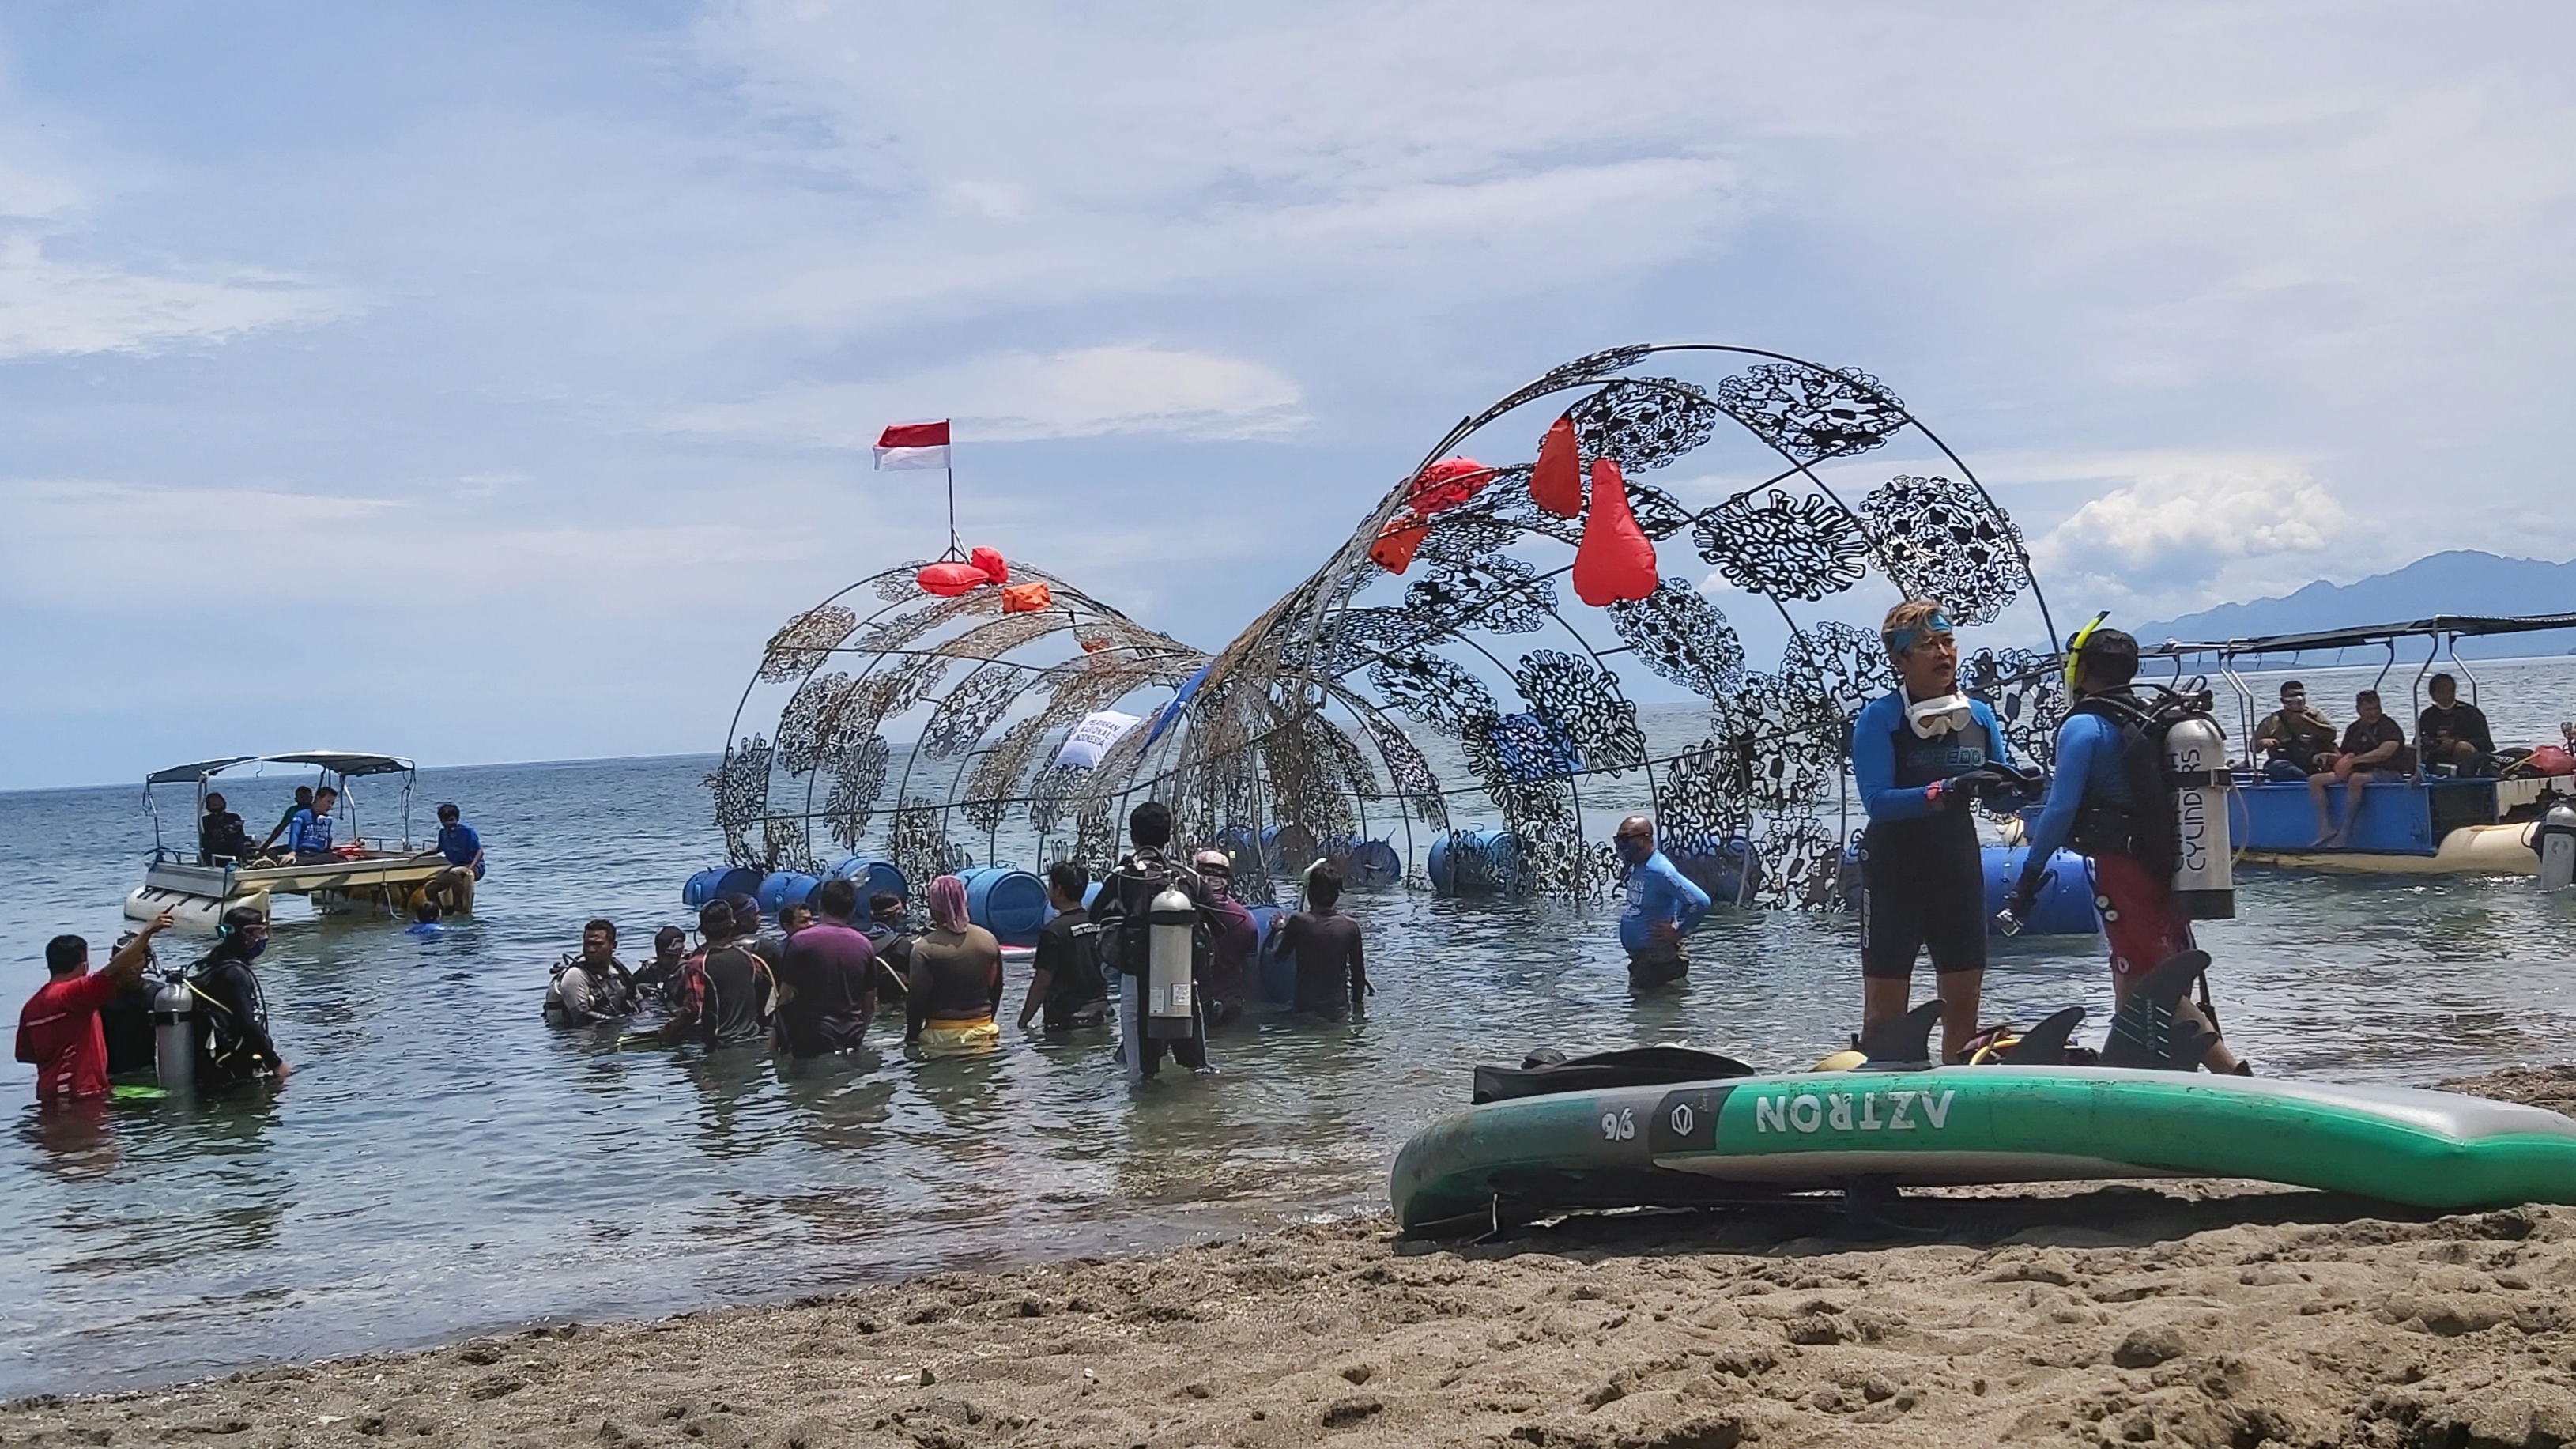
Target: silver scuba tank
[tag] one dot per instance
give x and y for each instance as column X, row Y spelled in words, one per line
column 1170, row 924
column 2204, row 883
column 2557, row 846
column 174, row 1036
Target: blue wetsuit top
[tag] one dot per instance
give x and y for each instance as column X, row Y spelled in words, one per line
column 2089, row 763
column 1892, row 765
column 1658, row 891
column 309, row 834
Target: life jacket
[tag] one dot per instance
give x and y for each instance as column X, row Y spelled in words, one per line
column 2145, row 828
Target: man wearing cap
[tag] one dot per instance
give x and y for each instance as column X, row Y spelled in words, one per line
column 1921, row 756
column 2091, row 806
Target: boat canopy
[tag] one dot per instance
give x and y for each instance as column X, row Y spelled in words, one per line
column 344, row 763
column 2461, row 626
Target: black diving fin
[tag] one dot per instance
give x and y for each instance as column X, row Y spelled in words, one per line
column 1901, row 1043
column 2145, row 1032
column 2044, row 1045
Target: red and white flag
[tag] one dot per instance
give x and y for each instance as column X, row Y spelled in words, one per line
column 913, row 445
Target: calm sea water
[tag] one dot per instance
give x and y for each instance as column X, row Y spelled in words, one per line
column 442, row 1162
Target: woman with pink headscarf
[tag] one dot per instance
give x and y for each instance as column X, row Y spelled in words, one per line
column 956, row 978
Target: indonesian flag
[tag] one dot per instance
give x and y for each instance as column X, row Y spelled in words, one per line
column 913, row 445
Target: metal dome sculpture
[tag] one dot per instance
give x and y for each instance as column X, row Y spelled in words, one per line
column 1442, row 612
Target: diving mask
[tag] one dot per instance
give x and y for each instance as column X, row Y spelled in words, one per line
column 1946, row 715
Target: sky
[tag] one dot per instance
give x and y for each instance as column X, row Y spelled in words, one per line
column 484, row 382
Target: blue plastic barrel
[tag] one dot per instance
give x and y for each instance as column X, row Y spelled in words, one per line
column 1724, row 875
column 1012, row 904
column 1286, row 850
column 2065, row 902
column 872, row 874
column 1274, row 972
column 716, row 884
column 1477, row 861
column 783, row 888
column 1365, row 862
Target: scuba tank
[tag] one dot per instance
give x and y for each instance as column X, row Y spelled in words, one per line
column 174, row 1035
column 1170, row 927
column 2556, row 843
column 2204, row 883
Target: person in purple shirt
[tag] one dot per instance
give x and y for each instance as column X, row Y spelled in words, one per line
column 1235, row 938
column 827, row 978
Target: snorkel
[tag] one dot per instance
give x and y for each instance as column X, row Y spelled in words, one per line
column 2075, row 649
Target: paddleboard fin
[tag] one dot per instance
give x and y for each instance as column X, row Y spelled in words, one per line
column 2044, row 1045
column 1904, row 1041
column 2144, row 1031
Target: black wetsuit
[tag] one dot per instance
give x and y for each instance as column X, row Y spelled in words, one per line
column 221, row 837
column 731, row 1016
column 1332, row 970
column 1069, row 956
column 1923, row 878
column 235, row 1045
column 1123, row 907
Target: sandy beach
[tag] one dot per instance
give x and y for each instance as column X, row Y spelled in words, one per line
column 2191, row 1313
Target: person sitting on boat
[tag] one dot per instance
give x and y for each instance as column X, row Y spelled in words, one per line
column 2449, row 733
column 462, row 848
column 2095, row 805
column 1235, row 940
column 308, row 831
column 721, row 989
column 591, row 986
column 303, row 801
column 659, row 978
column 2291, row 739
column 58, row 1029
column 2372, row 744
column 221, row 837
column 236, row 1046
column 956, row 978
column 1662, row 906
column 1922, row 754
column 1332, row 962
column 1066, row 985
column 827, row 989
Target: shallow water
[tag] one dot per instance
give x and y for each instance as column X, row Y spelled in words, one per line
column 442, row 1162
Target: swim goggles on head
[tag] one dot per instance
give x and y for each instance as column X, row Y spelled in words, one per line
column 1901, row 639
column 1946, row 715
column 2075, row 646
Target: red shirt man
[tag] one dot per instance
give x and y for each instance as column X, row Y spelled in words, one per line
column 58, row 1030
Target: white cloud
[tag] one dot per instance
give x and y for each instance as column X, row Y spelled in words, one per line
column 49, row 306
column 1022, row 396
column 2185, row 524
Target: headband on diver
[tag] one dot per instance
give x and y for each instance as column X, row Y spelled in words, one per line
column 1946, row 715
column 1906, row 637
column 2075, row 647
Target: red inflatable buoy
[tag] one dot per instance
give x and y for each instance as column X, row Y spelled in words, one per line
column 1446, row 484
column 990, row 561
column 1028, row 598
column 1615, row 564
column 1397, row 542
column 1556, row 484
column 948, row 580
column 2551, row 760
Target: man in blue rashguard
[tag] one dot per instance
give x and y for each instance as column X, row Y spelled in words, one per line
column 453, row 887
column 1921, row 755
column 308, row 831
column 1662, row 907
column 2093, row 806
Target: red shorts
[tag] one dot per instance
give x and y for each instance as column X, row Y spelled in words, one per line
column 2138, row 916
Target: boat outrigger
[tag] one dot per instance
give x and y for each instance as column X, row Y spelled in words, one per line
column 197, row 890
column 2411, row 824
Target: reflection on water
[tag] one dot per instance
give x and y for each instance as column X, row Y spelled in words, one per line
column 442, row 1162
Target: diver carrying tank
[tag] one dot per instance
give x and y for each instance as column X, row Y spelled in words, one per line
column 1171, row 927
column 174, row 1035
column 2174, row 762
column 2556, row 842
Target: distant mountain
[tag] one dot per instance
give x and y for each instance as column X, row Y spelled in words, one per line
column 2462, row 581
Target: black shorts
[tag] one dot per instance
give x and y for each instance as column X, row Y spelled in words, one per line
column 1917, row 895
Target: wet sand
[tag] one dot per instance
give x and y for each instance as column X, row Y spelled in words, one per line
column 2195, row 1313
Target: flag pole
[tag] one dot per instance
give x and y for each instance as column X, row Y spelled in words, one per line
column 953, row 546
